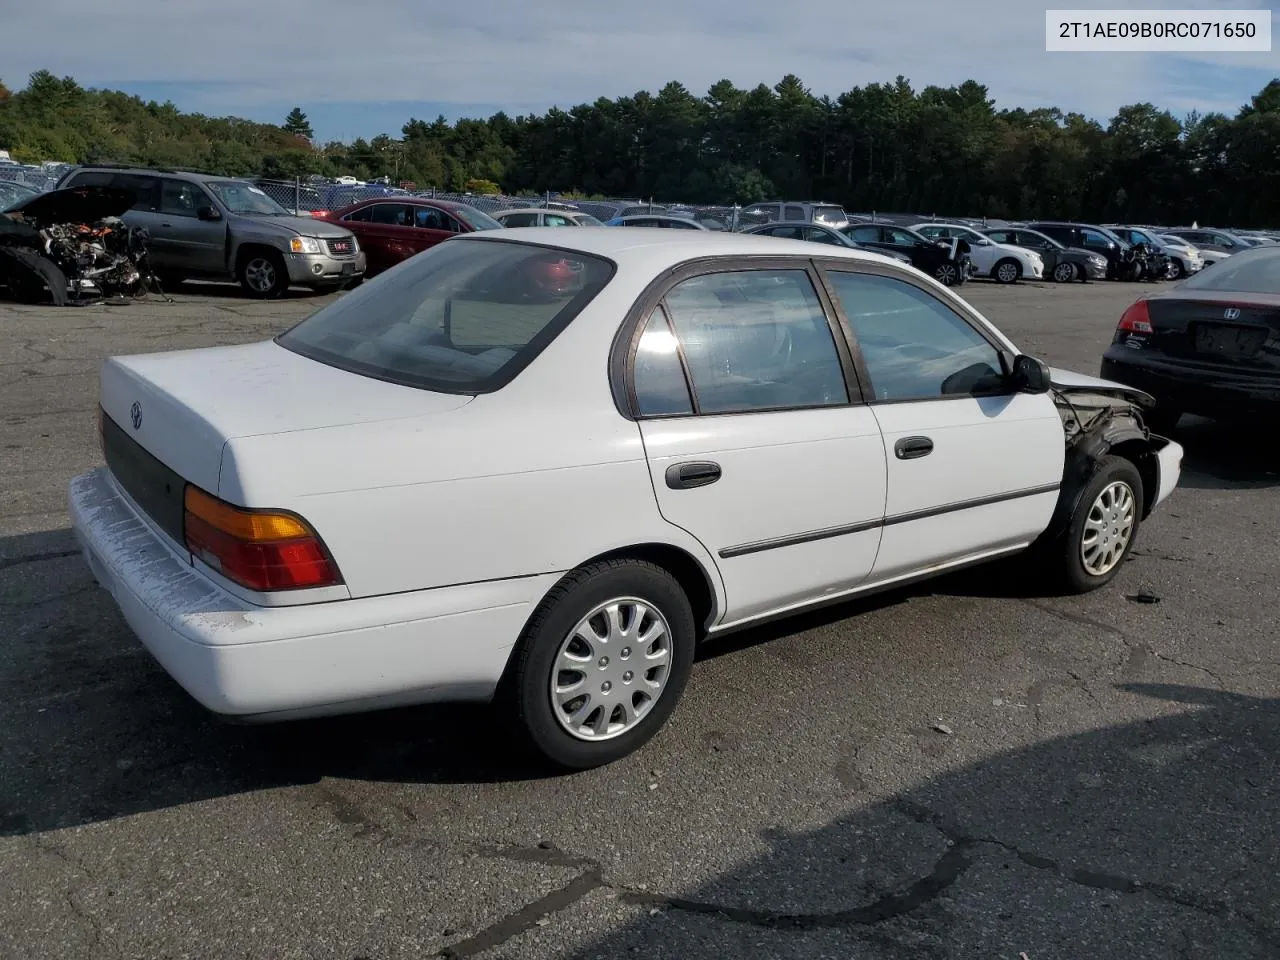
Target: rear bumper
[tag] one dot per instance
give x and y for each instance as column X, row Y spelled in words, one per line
column 269, row 663
column 1209, row 393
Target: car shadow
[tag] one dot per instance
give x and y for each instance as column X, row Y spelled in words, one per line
column 1227, row 455
column 1150, row 839
column 233, row 291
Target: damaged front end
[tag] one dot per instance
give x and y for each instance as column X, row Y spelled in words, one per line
column 1099, row 419
column 74, row 243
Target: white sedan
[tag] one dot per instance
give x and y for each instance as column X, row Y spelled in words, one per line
column 539, row 467
column 1002, row 262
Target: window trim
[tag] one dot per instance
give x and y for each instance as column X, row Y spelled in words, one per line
column 626, row 341
column 965, row 313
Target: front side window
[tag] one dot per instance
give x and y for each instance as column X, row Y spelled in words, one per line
column 181, row 199
column 787, row 233
column 246, row 199
column 756, row 340
column 556, row 220
column 901, row 238
column 461, row 317
column 814, row 235
column 915, row 347
column 932, row 233
column 429, row 218
column 1094, row 238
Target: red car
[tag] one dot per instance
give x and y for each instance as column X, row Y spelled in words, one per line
column 391, row 229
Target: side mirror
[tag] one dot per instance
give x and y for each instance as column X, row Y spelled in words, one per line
column 1029, row 375
column 208, row 214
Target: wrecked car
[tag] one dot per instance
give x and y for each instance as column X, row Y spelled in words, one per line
column 546, row 495
column 70, row 243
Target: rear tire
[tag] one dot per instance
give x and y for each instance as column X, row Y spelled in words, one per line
column 1101, row 532
column 607, row 636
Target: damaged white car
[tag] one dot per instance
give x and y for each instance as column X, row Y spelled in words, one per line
column 541, row 466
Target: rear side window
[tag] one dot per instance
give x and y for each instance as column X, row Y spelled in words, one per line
column 520, row 220
column 90, row 178
column 661, row 389
column 794, row 213
column 756, row 340
column 465, row 316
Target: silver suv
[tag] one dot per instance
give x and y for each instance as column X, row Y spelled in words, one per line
column 210, row 227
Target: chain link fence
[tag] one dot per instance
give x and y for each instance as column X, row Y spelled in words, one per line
column 305, row 196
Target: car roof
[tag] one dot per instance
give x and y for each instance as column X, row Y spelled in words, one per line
column 658, row 248
column 558, row 211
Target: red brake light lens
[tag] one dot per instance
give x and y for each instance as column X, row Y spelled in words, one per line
column 263, row 550
column 1137, row 319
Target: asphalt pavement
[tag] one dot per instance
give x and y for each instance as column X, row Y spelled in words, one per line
column 967, row 769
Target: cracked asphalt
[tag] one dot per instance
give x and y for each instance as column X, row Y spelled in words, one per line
column 968, row 769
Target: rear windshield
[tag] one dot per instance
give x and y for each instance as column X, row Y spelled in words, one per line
column 1251, row 271
column 464, row 316
column 830, row 215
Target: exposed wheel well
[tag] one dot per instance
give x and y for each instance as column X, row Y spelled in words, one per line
column 1138, row 452
column 681, row 565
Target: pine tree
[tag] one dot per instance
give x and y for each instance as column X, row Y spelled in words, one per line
column 297, row 123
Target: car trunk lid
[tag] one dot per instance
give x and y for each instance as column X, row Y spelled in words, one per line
column 171, row 414
column 1217, row 328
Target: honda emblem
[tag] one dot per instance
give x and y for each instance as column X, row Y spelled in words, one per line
column 1231, row 313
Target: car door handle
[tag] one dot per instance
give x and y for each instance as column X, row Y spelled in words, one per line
column 909, row 448
column 686, row 476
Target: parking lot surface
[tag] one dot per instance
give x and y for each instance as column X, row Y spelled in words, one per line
column 967, row 769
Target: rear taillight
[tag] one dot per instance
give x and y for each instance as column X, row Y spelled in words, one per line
column 1137, row 319
column 263, row 550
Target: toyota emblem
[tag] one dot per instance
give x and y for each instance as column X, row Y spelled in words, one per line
column 1231, row 313
column 135, row 414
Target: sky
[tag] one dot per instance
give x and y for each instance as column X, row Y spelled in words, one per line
column 360, row 69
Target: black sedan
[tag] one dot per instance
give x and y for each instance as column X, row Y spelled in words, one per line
column 1208, row 346
column 819, row 233
column 946, row 262
column 1061, row 262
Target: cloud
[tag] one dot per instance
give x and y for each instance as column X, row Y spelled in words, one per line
column 248, row 56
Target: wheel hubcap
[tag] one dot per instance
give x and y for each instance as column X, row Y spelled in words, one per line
column 261, row 274
column 1107, row 529
column 946, row 274
column 1063, row 272
column 1008, row 273
column 611, row 669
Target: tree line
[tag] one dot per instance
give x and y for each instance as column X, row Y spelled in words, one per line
column 883, row 146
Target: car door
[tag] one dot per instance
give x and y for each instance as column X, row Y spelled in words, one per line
column 145, row 212
column 431, row 226
column 190, row 245
column 755, row 433
column 389, row 232
column 973, row 467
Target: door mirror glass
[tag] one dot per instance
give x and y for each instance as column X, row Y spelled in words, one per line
column 208, row 214
column 1029, row 375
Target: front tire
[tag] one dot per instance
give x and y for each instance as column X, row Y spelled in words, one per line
column 263, row 274
column 1007, row 271
column 947, row 274
column 1102, row 530
column 1064, row 272
column 601, row 663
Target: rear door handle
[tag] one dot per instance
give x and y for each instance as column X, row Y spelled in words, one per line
column 698, row 473
column 909, row 448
